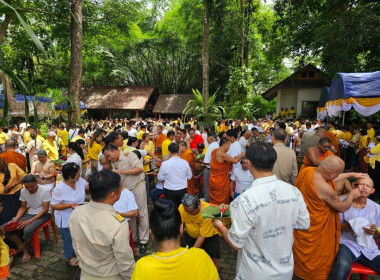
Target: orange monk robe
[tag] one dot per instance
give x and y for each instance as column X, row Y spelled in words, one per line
column 159, row 140
column 219, row 182
column 334, row 142
column 315, row 249
column 14, row 157
column 308, row 163
column 190, row 158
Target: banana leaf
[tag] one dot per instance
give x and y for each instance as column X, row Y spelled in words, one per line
column 214, row 212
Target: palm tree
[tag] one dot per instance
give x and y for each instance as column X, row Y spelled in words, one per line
column 205, row 116
column 56, row 100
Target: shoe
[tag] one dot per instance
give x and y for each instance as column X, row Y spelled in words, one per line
column 143, row 248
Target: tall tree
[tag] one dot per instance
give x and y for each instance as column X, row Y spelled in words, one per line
column 75, row 60
column 205, row 54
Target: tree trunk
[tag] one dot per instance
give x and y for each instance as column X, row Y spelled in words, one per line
column 246, row 51
column 205, row 55
column 76, row 60
column 5, row 24
column 241, row 31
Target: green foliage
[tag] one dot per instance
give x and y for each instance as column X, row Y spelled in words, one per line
column 240, row 84
column 44, row 129
column 253, row 107
column 196, row 108
column 344, row 35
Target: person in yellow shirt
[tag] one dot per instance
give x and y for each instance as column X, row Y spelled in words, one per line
column 282, row 113
column 291, row 113
column 166, row 143
column 370, row 132
column 94, row 149
column 172, row 261
column 331, row 125
column 81, row 135
column 362, row 152
column 27, row 135
column 149, row 145
column 3, row 137
column 199, row 232
column 4, row 254
column 347, row 134
column 374, row 165
column 63, row 134
column 39, row 136
column 141, row 132
column 50, row 146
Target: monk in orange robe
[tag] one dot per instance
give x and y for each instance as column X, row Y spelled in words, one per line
column 334, row 141
column 11, row 156
column 315, row 155
column 315, row 249
column 221, row 165
column 189, row 156
column 159, row 138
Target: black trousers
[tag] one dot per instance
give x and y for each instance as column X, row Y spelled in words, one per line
column 174, row 196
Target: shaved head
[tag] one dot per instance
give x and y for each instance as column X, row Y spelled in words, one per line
column 332, row 163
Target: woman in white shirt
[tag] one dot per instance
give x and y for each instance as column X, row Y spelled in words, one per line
column 65, row 197
column 74, row 154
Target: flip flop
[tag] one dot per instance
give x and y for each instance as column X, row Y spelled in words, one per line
column 73, row 262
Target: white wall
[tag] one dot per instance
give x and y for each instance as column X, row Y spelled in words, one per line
column 307, row 94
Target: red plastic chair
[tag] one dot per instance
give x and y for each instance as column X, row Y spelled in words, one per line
column 45, row 227
column 362, row 270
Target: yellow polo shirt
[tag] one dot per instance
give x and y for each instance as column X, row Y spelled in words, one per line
column 94, row 150
column 39, row 137
column 196, row 225
column 64, row 135
column 371, row 134
column 165, row 147
column 26, row 138
column 51, row 149
column 3, row 137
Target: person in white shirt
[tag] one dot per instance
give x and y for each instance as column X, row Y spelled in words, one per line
column 37, row 199
column 235, row 147
column 244, row 139
column 126, row 206
column 242, row 177
column 73, row 132
column 213, row 144
column 131, row 131
column 263, row 219
column 174, row 174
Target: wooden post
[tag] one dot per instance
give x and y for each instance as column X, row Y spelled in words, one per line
column 137, row 114
column 159, row 115
column 110, row 114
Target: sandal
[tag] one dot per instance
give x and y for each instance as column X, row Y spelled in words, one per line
column 73, row 261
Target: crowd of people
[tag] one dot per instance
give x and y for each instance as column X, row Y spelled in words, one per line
column 301, row 196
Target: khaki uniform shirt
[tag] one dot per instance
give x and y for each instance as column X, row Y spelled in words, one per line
column 285, row 167
column 100, row 240
column 128, row 162
column 254, row 139
column 307, row 142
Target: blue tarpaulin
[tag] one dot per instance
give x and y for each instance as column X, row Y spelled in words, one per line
column 357, row 85
column 324, row 97
column 20, row 98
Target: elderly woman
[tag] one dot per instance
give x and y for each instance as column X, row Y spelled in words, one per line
column 31, row 149
column 199, row 232
column 50, row 146
column 10, row 186
column 166, row 229
column 65, row 197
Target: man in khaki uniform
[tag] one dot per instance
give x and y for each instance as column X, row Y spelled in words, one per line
column 44, row 170
column 100, row 234
column 285, row 168
column 131, row 171
column 256, row 136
